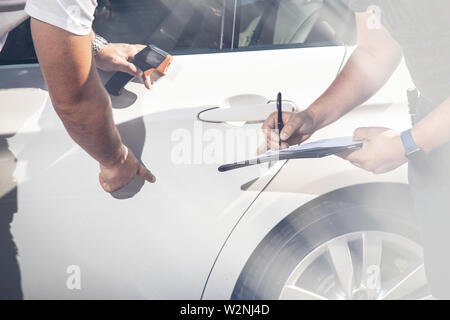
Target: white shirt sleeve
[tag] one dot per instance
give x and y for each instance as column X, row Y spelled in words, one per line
column 75, row 16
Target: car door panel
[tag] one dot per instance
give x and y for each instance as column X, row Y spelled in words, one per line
column 148, row 240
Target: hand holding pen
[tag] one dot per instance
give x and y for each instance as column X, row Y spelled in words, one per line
column 291, row 128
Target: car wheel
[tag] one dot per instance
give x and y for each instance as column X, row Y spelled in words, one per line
column 338, row 250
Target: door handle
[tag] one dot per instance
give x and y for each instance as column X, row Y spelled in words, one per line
column 244, row 108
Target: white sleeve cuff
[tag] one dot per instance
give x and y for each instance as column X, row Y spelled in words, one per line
column 66, row 21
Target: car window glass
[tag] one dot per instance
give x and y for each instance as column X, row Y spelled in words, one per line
column 18, row 45
column 289, row 22
column 169, row 24
column 172, row 25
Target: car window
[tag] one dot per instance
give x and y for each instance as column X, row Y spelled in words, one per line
column 18, row 45
column 172, row 25
column 291, row 22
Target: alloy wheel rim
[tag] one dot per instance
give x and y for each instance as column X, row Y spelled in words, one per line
column 366, row 265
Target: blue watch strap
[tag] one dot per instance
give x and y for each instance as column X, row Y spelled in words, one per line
column 408, row 143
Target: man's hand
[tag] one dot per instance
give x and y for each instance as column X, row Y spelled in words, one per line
column 117, row 176
column 298, row 127
column 382, row 151
column 117, row 57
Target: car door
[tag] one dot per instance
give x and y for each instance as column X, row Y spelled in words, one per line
column 158, row 240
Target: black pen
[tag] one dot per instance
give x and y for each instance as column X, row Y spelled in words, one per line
column 280, row 115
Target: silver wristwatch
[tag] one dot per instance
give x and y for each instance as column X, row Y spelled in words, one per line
column 98, row 44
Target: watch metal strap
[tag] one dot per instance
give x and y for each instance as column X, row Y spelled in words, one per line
column 98, row 44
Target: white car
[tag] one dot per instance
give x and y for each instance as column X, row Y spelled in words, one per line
column 297, row 229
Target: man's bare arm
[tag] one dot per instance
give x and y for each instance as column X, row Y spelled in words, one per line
column 82, row 103
column 372, row 63
column 76, row 91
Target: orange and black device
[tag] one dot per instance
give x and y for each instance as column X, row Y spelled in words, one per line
column 148, row 60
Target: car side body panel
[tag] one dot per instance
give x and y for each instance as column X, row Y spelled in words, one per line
column 303, row 181
column 162, row 242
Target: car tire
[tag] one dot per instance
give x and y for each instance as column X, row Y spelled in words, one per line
column 323, row 250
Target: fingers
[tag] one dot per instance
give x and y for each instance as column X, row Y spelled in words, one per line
column 119, row 57
column 114, row 178
column 102, row 182
column 107, row 187
column 262, row 149
column 355, row 156
column 268, row 128
column 147, row 81
column 130, row 68
column 290, row 128
column 284, row 145
column 356, row 164
column 132, row 50
column 270, row 123
column 292, row 124
column 135, row 49
column 276, row 144
column 358, row 158
column 350, row 156
column 146, row 174
column 111, row 187
column 344, row 155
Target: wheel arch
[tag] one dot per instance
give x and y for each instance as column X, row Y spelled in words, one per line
column 379, row 195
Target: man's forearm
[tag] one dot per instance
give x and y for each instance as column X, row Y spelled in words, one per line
column 368, row 69
column 434, row 130
column 77, row 92
column 361, row 78
column 90, row 123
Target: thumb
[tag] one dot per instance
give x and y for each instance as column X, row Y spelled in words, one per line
column 146, row 174
column 293, row 124
column 147, row 81
column 366, row 133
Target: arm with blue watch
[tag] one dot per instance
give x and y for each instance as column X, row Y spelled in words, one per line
column 385, row 150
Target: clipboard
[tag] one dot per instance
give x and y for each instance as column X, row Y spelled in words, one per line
column 312, row 150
